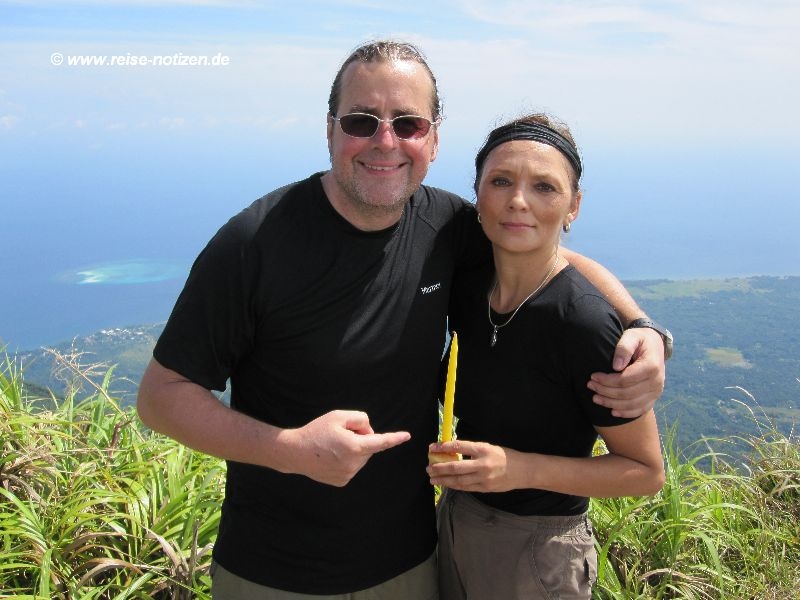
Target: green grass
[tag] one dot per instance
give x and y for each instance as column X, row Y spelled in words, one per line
column 692, row 288
column 94, row 506
column 728, row 357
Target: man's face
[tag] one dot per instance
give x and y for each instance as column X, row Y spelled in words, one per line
column 371, row 179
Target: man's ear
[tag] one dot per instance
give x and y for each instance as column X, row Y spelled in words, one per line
column 329, row 134
column 435, row 149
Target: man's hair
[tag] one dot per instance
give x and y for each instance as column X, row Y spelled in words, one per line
column 384, row 51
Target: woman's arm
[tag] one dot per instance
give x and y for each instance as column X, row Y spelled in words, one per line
column 633, row 467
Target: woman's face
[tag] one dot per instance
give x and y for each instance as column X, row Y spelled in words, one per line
column 525, row 196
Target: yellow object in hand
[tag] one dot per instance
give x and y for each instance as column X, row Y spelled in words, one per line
column 450, row 391
column 447, row 415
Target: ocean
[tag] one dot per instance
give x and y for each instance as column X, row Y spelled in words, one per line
column 106, row 241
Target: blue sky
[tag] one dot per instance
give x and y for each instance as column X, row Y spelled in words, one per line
column 686, row 112
column 716, row 72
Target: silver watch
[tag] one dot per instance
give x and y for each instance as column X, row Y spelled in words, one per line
column 663, row 331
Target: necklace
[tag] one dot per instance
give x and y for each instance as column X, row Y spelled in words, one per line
column 493, row 339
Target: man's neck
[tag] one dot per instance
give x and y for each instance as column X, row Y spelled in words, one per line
column 360, row 216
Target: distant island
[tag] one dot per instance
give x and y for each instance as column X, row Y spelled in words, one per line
column 126, row 349
column 737, row 355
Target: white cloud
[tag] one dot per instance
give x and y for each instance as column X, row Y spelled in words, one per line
column 8, row 121
column 172, row 122
column 576, row 18
column 656, row 69
column 660, row 69
column 132, row 3
column 687, row 30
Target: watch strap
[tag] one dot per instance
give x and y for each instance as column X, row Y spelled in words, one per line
column 665, row 333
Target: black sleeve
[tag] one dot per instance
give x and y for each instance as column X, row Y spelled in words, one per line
column 209, row 328
column 592, row 332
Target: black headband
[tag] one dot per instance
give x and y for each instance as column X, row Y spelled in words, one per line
column 529, row 131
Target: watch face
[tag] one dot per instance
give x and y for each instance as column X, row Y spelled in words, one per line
column 667, row 337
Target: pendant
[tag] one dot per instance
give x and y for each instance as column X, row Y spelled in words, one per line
column 493, row 341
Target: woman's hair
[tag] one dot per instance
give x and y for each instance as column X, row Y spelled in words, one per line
column 538, row 127
column 384, row 51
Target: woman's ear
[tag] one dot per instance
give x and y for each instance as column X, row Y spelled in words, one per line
column 575, row 209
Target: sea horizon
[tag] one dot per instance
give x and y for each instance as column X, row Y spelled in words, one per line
column 92, row 246
column 114, row 307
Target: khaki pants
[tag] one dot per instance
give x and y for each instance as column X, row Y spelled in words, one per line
column 418, row 583
column 488, row 554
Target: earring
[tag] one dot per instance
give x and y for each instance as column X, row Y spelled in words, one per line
column 566, row 227
column 479, row 218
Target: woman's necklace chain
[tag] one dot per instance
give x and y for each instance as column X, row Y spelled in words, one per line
column 493, row 339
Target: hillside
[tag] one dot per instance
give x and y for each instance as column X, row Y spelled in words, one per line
column 733, row 338
column 127, row 349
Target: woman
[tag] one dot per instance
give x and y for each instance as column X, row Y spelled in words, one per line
column 513, row 520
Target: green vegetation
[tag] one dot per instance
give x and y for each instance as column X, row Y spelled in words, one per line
column 707, row 535
column 93, row 506
column 128, row 348
column 692, row 288
column 730, row 334
column 727, row 357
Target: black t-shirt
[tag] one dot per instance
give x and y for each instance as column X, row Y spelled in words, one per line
column 529, row 392
column 306, row 314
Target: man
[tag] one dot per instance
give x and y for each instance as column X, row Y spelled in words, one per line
column 325, row 304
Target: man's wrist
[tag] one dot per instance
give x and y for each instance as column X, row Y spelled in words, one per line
column 665, row 333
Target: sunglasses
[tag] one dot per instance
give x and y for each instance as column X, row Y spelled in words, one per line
column 405, row 127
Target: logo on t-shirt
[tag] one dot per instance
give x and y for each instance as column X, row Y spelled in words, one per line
column 430, row 288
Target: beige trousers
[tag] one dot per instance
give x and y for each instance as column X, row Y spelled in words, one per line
column 488, row 554
column 418, row 583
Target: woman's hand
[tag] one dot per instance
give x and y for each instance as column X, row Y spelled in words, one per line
column 633, row 467
column 484, row 468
